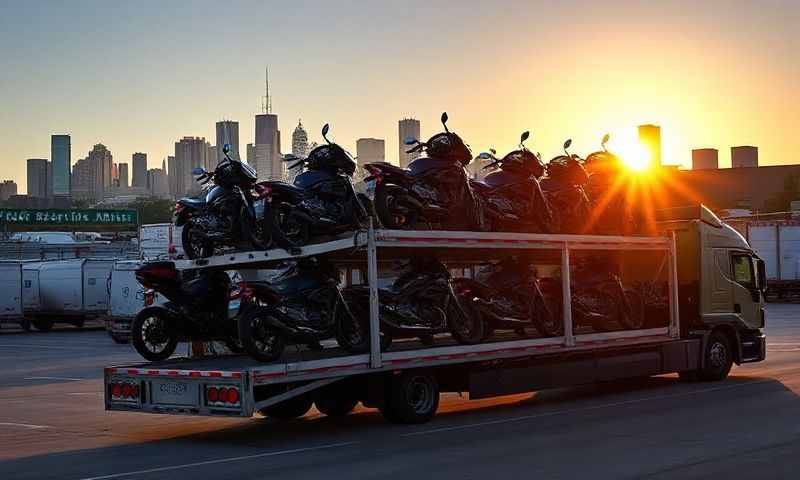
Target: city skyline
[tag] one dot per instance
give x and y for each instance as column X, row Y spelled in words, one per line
column 698, row 71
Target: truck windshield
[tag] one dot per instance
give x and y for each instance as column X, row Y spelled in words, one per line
column 743, row 271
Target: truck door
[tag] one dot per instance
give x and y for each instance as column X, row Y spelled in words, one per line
column 746, row 294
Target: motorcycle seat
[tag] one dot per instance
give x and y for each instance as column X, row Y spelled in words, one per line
column 192, row 202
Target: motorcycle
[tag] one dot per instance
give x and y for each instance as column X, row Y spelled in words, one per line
column 322, row 200
column 508, row 296
column 432, row 190
column 304, row 304
column 512, row 198
column 607, row 189
column 599, row 298
column 563, row 189
column 227, row 214
column 420, row 303
column 203, row 308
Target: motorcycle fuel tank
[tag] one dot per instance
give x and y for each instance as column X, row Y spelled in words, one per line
column 309, row 178
column 216, row 193
column 501, row 178
column 422, row 165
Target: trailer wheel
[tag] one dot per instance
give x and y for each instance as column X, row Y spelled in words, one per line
column 335, row 406
column 288, row 409
column 413, row 398
column 717, row 358
column 43, row 324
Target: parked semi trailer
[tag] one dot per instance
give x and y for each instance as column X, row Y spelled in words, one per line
column 65, row 291
column 11, row 297
column 778, row 243
column 713, row 284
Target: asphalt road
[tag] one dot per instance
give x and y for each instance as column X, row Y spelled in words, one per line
column 52, row 425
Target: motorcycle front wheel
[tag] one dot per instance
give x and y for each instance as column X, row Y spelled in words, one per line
column 259, row 338
column 352, row 329
column 193, row 245
column 631, row 313
column 386, row 207
column 152, row 335
column 465, row 321
column 287, row 230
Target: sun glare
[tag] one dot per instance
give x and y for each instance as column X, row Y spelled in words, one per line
column 633, row 154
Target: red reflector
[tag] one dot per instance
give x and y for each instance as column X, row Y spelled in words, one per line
column 126, row 390
column 135, row 391
column 233, row 395
column 213, row 394
column 223, row 394
column 116, row 389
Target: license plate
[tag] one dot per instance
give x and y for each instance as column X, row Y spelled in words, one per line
column 175, row 393
column 371, row 184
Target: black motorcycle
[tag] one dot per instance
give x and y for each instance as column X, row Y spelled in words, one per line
column 420, row 303
column 434, row 190
column 563, row 188
column 227, row 214
column 322, row 200
column 204, row 307
column 599, row 299
column 512, row 199
column 302, row 305
column 508, row 296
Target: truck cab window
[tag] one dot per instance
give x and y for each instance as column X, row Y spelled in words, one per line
column 743, row 271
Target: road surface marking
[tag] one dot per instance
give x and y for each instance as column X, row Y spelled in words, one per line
column 24, row 425
column 54, row 378
column 51, row 347
column 221, row 460
column 85, row 393
column 581, row 409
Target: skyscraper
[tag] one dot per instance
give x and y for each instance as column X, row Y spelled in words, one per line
column 744, row 156
column 407, row 128
column 211, row 158
column 158, row 183
column 228, row 133
column 37, row 177
column 123, row 175
column 101, row 161
column 139, row 170
column 60, row 155
column 369, row 150
column 190, row 152
column 300, row 141
column 650, row 139
column 705, row 158
column 7, row 189
column 171, row 175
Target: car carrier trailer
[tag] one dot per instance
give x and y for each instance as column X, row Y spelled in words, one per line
column 715, row 318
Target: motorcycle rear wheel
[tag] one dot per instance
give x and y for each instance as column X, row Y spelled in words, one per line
column 287, row 232
column 465, row 321
column 259, row 339
column 194, row 247
column 385, row 198
column 352, row 329
column 152, row 335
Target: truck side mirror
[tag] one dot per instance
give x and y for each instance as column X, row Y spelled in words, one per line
column 761, row 272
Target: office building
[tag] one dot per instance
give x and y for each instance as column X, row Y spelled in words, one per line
column 139, row 165
column 408, row 128
column 7, row 189
column 705, row 158
column 37, row 174
column 60, row 156
column 211, row 158
column 650, row 139
column 300, row 141
column 123, row 175
column 190, row 152
column 370, row 150
column 227, row 134
column 158, row 183
column 169, row 167
column 744, row 156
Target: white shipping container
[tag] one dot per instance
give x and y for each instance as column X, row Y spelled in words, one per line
column 764, row 240
column 778, row 244
column 96, row 276
column 11, row 288
column 61, row 287
column 126, row 295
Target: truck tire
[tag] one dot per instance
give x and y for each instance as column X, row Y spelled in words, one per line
column 717, row 358
column 43, row 324
column 288, row 409
column 413, row 397
column 335, row 406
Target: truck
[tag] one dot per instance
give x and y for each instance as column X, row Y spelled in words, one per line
column 711, row 280
column 777, row 242
column 65, row 291
column 11, row 299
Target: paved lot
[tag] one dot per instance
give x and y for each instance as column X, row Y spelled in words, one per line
column 53, row 425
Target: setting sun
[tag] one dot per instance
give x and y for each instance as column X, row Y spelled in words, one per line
column 630, row 150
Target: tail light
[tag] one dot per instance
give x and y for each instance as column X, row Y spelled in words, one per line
column 124, row 391
column 149, row 297
column 223, row 396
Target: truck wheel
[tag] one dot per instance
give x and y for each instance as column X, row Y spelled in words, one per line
column 717, row 358
column 43, row 324
column 335, row 406
column 413, row 398
column 288, row 409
